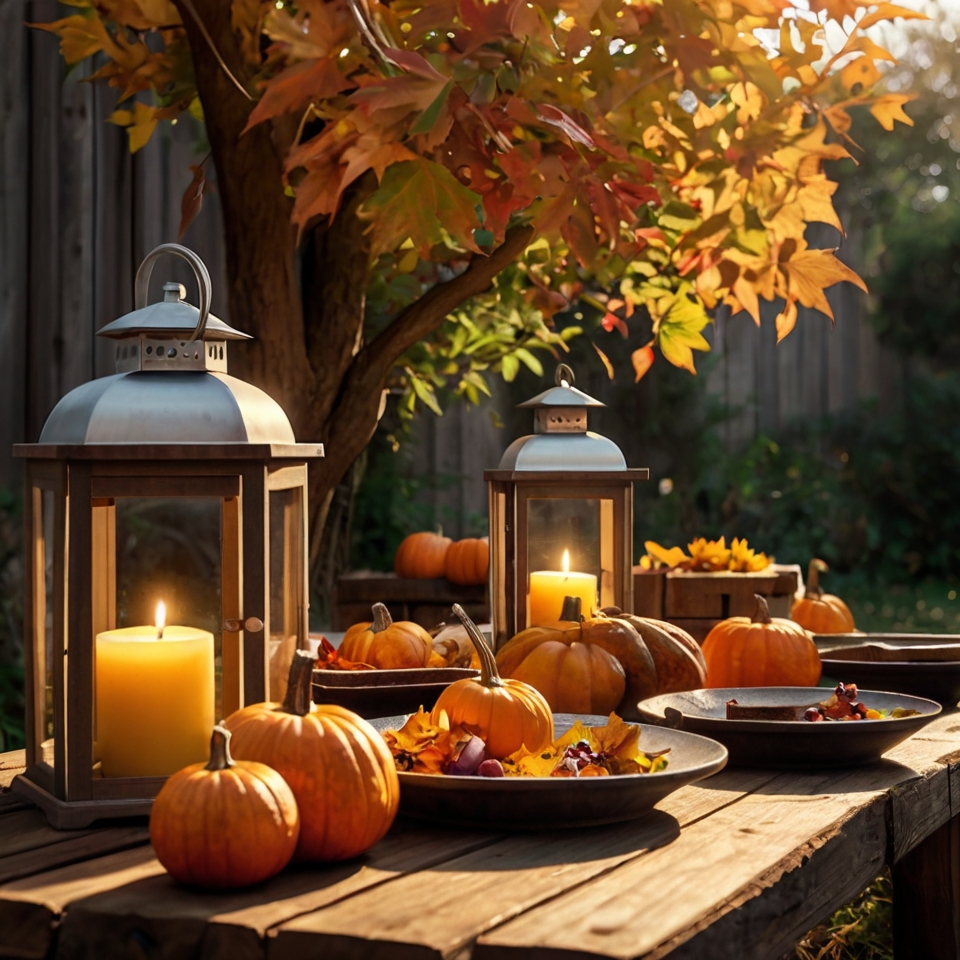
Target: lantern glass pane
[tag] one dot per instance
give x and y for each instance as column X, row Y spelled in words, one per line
column 156, row 693
column 287, row 602
column 563, row 555
column 43, row 623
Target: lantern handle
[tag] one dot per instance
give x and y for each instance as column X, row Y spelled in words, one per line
column 564, row 372
column 200, row 271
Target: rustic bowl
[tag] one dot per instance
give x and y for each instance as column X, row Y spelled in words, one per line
column 377, row 693
column 937, row 680
column 789, row 745
column 541, row 803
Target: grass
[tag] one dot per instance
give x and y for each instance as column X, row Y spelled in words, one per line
column 862, row 930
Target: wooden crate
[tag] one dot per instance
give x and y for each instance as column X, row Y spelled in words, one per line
column 698, row 601
column 426, row 602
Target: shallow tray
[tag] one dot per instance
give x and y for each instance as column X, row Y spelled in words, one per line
column 938, row 680
column 541, row 803
column 789, row 745
column 377, row 693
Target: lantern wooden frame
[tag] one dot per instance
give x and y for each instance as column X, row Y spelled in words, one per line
column 85, row 481
column 510, row 492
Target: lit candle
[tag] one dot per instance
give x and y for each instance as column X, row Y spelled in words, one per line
column 155, row 698
column 549, row 587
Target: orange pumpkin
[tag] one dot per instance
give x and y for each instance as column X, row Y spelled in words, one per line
column 468, row 561
column 676, row 655
column 505, row 714
column 575, row 677
column 613, row 634
column 387, row 645
column 821, row 612
column 336, row 764
column 201, row 810
column 761, row 651
column 422, row 556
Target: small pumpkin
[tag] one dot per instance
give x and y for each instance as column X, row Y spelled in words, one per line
column 761, row 651
column 821, row 612
column 385, row 644
column 468, row 562
column 506, row 714
column 337, row 765
column 201, row 811
column 575, row 677
column 610, row 633
column 676, row 655
column 422, row 556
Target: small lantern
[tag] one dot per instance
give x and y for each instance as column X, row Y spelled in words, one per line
column 561, row 516
column 166, row 577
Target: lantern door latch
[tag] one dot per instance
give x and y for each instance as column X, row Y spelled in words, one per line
column 250, row 625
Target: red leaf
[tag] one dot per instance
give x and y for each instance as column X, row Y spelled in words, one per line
column 297, row 86
column 192, row 199
column 611, row 322
column 557, row 118
column 642, row 361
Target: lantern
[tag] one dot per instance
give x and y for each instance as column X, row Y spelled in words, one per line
column 561, row 516
column 166, row 577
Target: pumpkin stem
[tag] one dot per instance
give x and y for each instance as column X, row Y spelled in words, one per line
column 300, row 683
column 381, row 618
column 220, row 758
column 572, row 609
column 489, row 674
column 762, row 613
column 814, row 590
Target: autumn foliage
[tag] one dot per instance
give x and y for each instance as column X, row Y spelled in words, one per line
column 669, row 152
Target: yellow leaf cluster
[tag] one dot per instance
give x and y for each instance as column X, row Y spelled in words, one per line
column 706, row 556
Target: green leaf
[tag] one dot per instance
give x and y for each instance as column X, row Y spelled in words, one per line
column 509, row 367
column 419, row 200
column 678, row 216
column 429, row 117
column 426, row 395
column 529, row 360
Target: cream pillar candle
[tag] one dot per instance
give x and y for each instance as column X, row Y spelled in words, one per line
column 155, row 699
column 549, row 587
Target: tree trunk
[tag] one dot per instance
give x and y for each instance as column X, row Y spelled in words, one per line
column 308, row 323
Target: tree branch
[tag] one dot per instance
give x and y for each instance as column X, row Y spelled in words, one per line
column 421, row 318
column 354, row 420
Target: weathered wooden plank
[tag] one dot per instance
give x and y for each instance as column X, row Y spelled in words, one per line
column 11, row 764
column 658, row 902
column 31, row 908
column 14, row 180
column 28, row 830
column 926, row 898
column 465, row 897
column 178, row 922
column 80, row 845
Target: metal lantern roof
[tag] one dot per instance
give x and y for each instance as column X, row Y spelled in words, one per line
column 172, row 384
column 561, row 440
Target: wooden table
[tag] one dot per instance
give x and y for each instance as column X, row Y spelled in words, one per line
column 738, row 867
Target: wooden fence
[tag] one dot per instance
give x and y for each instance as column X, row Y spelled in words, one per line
column 79, row 213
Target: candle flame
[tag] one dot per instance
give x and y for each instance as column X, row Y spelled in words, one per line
column 566, row 561
column 161, row 618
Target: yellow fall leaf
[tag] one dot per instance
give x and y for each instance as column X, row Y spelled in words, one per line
column 889, row 108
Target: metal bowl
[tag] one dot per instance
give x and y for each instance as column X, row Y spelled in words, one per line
column 540, row 803
column 375, row 693
column 789, row 745
column 938, row 680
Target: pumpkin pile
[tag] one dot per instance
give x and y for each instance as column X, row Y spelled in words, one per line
column 432, row 556
column 821, row 612
column 761, row 651
column 604, row 663
column 309, row 782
